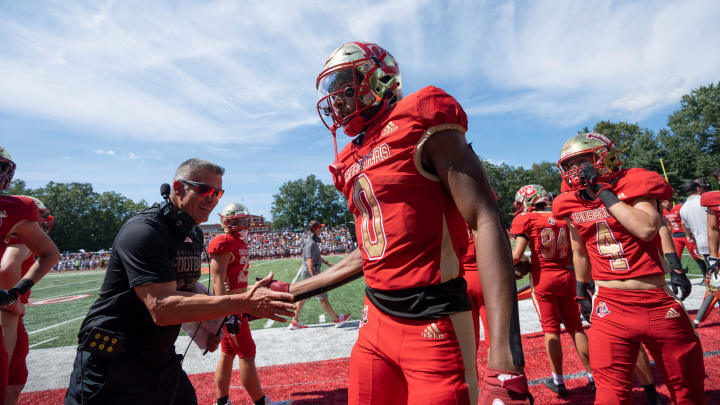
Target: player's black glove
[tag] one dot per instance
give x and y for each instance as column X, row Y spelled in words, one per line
column 233, row 323
column 590, row 179
column 583, row 294
column 680, row 282
column 10, row 296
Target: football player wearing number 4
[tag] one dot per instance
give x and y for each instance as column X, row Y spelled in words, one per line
column 413, row 182
column 613, row 216
column 551, row 278
column 229, row 268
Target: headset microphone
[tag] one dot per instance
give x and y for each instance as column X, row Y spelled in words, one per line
column 165, row 191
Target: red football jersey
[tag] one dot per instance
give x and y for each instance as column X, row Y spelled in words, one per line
column 409, row 230
column 15, row 210
column 672, row 216
column 711, row 200
column 548, row 239
column 468, row 259
column 237, row 271
column 615, row 253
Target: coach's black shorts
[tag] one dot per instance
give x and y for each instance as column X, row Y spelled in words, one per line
column 129, row 378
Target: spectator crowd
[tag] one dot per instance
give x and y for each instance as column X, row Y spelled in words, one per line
column 82, row 261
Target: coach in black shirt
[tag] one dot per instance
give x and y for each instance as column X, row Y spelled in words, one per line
column 127, row 353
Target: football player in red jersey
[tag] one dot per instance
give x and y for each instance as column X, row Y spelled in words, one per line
column 413, row 183
column 613, row 216
column 19, row 218
column 671, row 213
column 229, row 268
column 551, row 278
column 711, row 200
column 18, row 258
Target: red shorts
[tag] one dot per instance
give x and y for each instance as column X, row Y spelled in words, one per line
column 681, row 244
column 3, row 367
column 420, row 362
column 621, row 320
column 240, row 344
column 554, row 299
column 477, row 302
column 18, row 372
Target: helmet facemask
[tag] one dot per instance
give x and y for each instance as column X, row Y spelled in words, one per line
column 46, row 220
column 7, row 170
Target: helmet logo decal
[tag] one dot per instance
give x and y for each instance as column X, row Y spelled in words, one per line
column 602, row 138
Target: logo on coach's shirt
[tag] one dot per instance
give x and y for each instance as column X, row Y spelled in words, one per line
column 188, row 240
column 433, row 333
column 602, row 309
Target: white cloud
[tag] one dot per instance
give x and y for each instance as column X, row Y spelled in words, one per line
column 99, row 151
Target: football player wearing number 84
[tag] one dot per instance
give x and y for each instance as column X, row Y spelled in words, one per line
column 614, row 217
column 412, row 182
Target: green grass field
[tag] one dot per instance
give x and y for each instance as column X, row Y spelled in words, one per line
column 54, row 325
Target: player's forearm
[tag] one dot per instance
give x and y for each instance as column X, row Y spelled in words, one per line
column 346, row 268
column 581, row 263
column 494, row 262
column 42, row 266
column 519, row 249
column 713, row 234
column 666, row 238
column 635, row 220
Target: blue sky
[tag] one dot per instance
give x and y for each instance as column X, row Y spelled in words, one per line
column 117, row 94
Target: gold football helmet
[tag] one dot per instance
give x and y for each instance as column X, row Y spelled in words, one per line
column 7, row 168
column 362, row 71
column 605, row 157
column 528, row 197
column 46, row 219
column 235, row 218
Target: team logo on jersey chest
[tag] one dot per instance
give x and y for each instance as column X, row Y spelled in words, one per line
column 432, row 332
column 377, row 155
column 590, row 215
column 602, row 309
column 389, row 129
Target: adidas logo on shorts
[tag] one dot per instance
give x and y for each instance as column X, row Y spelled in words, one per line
column 672, row 313
column 433, row 333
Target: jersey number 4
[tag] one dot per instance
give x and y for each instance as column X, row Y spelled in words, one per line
column 552, row 246
column 373, row 232
column 608, row 246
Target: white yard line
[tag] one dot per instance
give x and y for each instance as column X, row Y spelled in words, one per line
column 42, row 343
column 63, row 285
column 56, row 325
column 270, row 322
column 64, row 295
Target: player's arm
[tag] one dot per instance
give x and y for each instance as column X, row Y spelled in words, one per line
column 310, row 267
column 518, row 252
column 463, row 176
column 218, row 270
column 713, row 233
column 33, row 236
column 11, row 264
column 641, row 218
column 581, row 259
column 168, row 306
column 688, row 231
column 342, row 272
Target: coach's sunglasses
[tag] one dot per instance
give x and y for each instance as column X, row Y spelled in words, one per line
column 203, row 189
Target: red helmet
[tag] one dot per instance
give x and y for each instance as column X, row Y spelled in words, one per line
column 361, row 70
column 528, row 197
column 7, row 168
column 605, row 158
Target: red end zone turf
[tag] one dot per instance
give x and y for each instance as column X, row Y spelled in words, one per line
column 325, row 382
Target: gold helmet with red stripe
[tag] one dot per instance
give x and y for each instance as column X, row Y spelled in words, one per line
column 7, row 168
column 527, row 198
column 46, row 219
column 235, row 218
column 604, row 154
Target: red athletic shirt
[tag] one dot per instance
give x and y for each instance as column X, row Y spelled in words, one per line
column 616, row 254
column 672, row 216
column 711, row 200
column 468, row 259
column 548, row 239
column 409, row 230
column 15, row 210
column 237, row 271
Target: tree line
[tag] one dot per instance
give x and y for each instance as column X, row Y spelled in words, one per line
column 689, row 148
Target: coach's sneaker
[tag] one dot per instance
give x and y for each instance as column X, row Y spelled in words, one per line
column 341, row 320
column 296, row 325
column 557, row 388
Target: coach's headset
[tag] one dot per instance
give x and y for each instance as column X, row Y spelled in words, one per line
column 179, row 220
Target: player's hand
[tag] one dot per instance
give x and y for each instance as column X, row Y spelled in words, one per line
column 262, row 302
column 504, row 387
column 7, row 297
column 714, row 264
column 276, row 285
column 590, row 179
column 583, row 294
column 679, row 281
column 212, row 343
